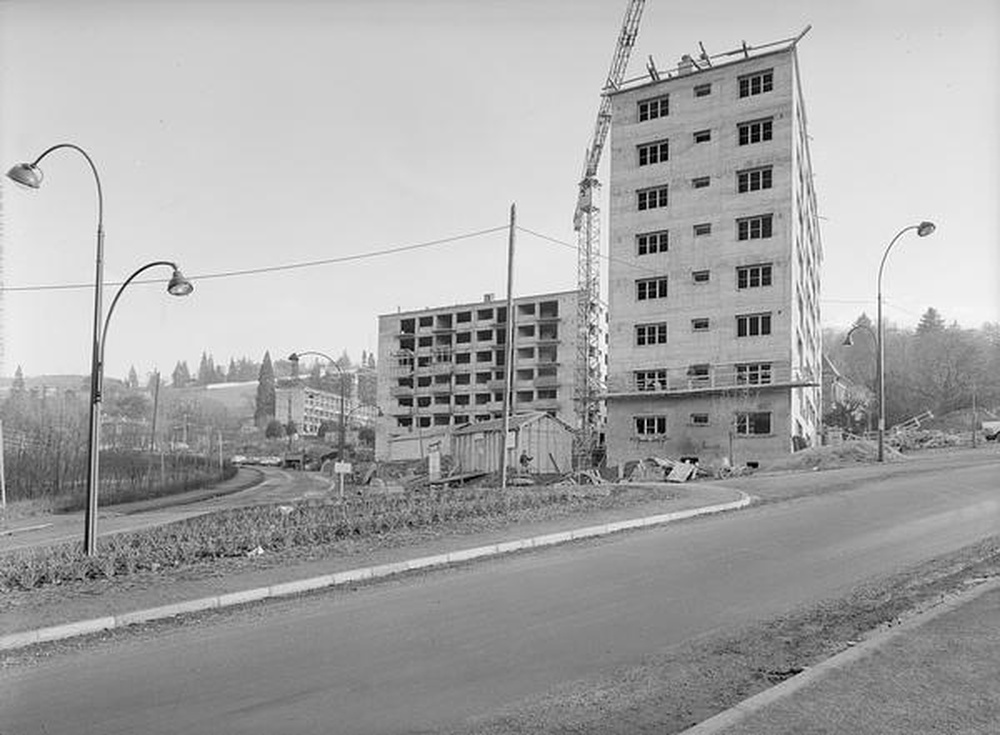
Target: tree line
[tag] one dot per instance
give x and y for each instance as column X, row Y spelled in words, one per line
column 935, row 366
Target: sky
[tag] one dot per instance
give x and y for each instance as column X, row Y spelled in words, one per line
column 233, row 136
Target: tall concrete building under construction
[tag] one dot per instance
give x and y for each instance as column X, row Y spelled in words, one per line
column 714, row 275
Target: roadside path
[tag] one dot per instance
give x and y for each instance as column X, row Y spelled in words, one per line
column 934, row 673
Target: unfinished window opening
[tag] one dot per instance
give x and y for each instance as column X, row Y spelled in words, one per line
column 525, row 396
column 702, row 90
column 699, row 374
column 407, row 344
column 702, row 228
column 424, row 422
column 463, row 378
column 548, row 309
column 486, row 356
column 547, row 394
column 525, row 374
column 650, row 380
column 548, row 331
column 525, row 353
column 547, row 371
column 404, row 422
column 702, row 136
column 484, row 335
column 526, row 331
column 701, row 182
column 700, row 276
column 699, row 324
column 463, row 358
column 442, row 400
column 547, row 353
column 463, row 338
column 426, row 321
column 405, row 402
column 425, row 341
column 407, row 326
column 461, row 419
column 753, row 423
column 463, row 317
column 423, row 401
column 443, row 321
column 483, row 378
column 423, row 360
column 483, row 398
column 442, row 420
column 484, row 314
column 525, row 309
column 753, row 373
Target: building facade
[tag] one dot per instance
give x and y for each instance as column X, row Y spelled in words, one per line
column 308, row 408
column 714, row 327
column 445, row 367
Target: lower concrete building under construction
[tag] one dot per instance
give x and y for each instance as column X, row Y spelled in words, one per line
column 444, row 367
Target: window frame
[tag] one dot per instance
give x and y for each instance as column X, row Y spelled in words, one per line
column 754, row 179
column 746, row 423
column 701, row 182
column 703, row 90
column 643, row 288
column 649, row 426
column 660, row 198
column 645, row 108
column 755, row 227
column 702, row 229
column 745, row 276
column 702, row 136
column 760, row 130
column 648, row 334
column 764, row 80
column 643, row 240
column 661, row 149
column 745, row 325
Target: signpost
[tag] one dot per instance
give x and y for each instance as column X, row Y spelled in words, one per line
column 341, row 469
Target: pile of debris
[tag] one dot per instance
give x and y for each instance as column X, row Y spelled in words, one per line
column 660, row 469
column 908, row 441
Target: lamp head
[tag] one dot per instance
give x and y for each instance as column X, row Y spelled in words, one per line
column 925, row 228
column 849, row 340
column 179, row 285
column 294, row 357
column 26, row 174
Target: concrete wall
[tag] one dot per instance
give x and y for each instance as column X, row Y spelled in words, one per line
column 710, row 444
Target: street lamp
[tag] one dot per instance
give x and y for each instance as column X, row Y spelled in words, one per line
column 923, row 230
column 294, row 357
column 849, row 342
column 31, row 176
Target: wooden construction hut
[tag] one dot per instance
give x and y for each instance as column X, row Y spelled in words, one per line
column 547, row 440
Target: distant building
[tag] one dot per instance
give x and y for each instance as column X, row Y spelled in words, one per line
column 309, row 407
column 714, row 274
column 444, row 367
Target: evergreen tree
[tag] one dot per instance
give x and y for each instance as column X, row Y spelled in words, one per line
column 232, row 374
column 206, row 370
column 930, row 322
column 181, row 374
column 17, row 387
column 133, row 379
column 265, row 392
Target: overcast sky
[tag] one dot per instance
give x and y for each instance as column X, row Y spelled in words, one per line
column 242, row 135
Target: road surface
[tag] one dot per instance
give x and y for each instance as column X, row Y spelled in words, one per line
column 278, row 486
column 423, row 654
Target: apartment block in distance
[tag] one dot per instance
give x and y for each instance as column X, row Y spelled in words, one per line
column 714, row 278
column 445, row 367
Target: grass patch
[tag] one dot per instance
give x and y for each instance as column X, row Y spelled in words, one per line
column 275, row 529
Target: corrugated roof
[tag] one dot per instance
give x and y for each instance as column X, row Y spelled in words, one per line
column 496, row 425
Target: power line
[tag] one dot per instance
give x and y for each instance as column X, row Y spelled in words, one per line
column 273, row 268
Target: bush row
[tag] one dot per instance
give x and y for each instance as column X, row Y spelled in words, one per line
column 274, row 528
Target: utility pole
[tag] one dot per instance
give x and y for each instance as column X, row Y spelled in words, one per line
column 156, row 404
column 508, row 350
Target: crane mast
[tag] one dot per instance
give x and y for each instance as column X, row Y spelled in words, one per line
column 587, row 222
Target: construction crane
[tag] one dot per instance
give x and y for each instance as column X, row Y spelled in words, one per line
column 586, row 222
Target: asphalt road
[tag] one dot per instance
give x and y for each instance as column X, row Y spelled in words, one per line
column 278, row 486
column 426, row 653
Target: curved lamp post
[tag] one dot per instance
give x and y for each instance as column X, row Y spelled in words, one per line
column 849, row 342
column 31, row 176
column 294, row 357
column 923, row 230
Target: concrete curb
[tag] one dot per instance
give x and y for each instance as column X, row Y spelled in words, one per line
column 70, row 630
column 732, row 716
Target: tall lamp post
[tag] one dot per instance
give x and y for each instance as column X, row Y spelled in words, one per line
column 31, row 176
column 294, row 357
column 923, row 230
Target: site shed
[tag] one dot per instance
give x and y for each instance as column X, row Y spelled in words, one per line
column 545, row 439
